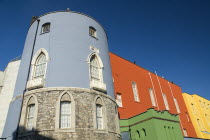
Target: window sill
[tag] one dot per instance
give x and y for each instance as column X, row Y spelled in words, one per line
column 44, row 33
column 35, row 83
column 101, row 131
column 98, row 85
column 93, row 37
column 65, row 130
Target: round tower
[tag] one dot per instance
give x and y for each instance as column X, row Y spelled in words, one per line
column 65, row 80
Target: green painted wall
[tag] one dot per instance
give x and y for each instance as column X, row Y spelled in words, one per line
column 152, row 125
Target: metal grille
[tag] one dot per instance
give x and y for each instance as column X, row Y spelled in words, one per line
column 65, row 114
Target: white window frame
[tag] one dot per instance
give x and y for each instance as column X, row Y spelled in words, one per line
column 24, row 118
column 152, row 97
column 99, row 100
column 96, row 84
column 70, row 99
column 177, row 106
column 65, row 116
column 135, row 91
column 119, row 100
column 165, row 101
column 34, row 60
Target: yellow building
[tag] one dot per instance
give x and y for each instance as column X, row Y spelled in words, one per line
column 199, row 111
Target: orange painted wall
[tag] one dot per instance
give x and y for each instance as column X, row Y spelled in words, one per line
column 124, row 72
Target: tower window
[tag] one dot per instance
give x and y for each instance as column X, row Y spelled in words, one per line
column 65, row 111
column 99, row 114
column 94, row 69
column 92, row 32
column 45, row 28
column 30, row 114
column 40, row 66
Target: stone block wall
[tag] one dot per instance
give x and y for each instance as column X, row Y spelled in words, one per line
column 84, row 115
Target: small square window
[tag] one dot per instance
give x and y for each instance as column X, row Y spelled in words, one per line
column 45, row 28
column 92, row 32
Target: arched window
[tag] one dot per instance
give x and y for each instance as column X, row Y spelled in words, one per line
column 92, row 32
column 138, row 135
column 95, row 69
column 40, row 66
column 152, row 97
column 30, row 114
column 99, row 114
column 45, row 28
column 165, row 101
column 145, row 134
column 65, row 111
column 96, row 74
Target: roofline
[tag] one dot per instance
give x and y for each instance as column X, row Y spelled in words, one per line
column 72, row 12
column 195, row 95
column 144, row 69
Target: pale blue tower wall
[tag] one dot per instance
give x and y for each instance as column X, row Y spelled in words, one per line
column 67, row 44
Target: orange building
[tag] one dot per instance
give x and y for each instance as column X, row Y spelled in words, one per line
column 137, row 89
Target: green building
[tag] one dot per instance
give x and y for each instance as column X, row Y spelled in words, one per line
column 151, row 125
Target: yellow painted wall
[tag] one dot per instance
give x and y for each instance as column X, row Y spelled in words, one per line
column 199, row 112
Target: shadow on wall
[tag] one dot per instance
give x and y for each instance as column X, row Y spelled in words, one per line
column 25, row 134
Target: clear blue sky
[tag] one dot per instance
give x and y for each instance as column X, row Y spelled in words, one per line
column 171, row 37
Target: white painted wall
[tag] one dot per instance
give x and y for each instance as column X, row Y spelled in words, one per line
column 7, row 80
column 1, row 80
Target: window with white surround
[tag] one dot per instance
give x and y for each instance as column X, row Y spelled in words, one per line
column 95, row 69
column 119, row 100
column 40, row 66
column 45, row 28
column 185, row 132
column 99, row 114
column 30, row 114
column 96, row 73
column 38, row 69
column 65, row 111
column 135, row 92
column 92, row 32
column 152, row 97
column 177, row 105
column 165, row 101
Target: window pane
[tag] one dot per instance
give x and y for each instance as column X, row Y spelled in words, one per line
column 152, row 97
column 99, row 117
column 30, row 116
column 40, row 66
column 65, row 115
column 94, row 69
column 135, row 92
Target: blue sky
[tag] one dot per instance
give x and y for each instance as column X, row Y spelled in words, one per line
column 171, row 37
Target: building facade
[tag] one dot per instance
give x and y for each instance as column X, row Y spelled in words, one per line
column 137, row 89
column 7, row 84
column 64, row 87
column 199, row 112
column 151, row 125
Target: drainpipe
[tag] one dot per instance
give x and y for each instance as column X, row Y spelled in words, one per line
column 29, row 69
